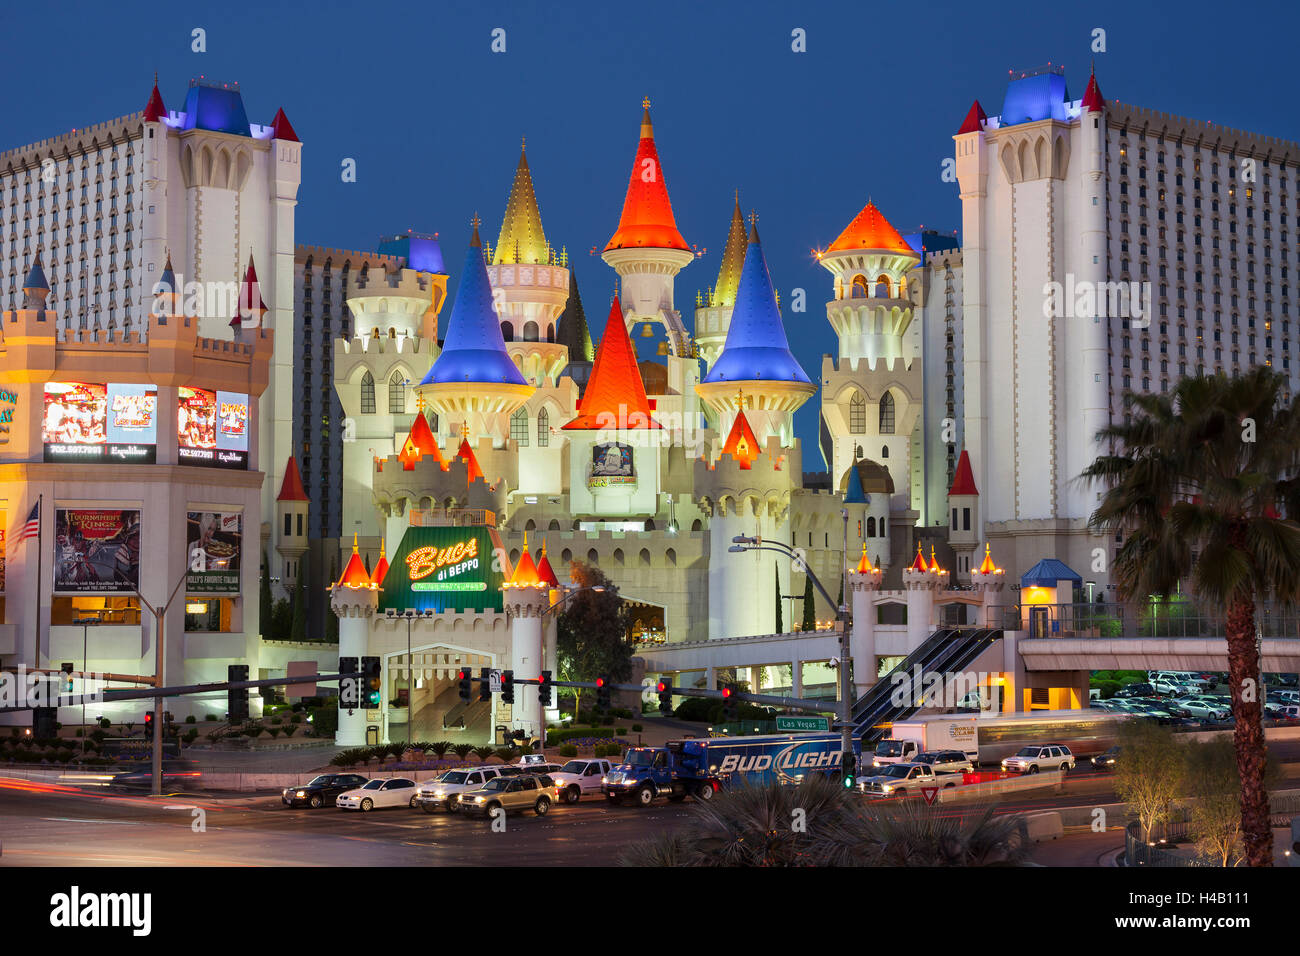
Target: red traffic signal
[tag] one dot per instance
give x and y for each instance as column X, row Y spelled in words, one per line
column 661, row 687
column 600, row 682
column 726, row 692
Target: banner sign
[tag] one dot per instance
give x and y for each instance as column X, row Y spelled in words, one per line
column 213, row 542
column 96, row 550
column 212, row 428
column 611, row 464
column 95, row 423
column 445, row 569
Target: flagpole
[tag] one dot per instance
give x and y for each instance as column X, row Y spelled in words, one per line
column 40, row 519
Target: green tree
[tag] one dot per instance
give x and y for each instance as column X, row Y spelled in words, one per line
column 1149, row 773
column 265, row 601
column 591, row 635
column 780, row 629
column 809, row 605
column 1216, row 813
column 298, row 628
column 1198, row 484
column 281, row 621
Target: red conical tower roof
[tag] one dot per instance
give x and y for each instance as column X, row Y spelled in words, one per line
column 154, row 111
column 466, row 454
column 419, row 442
column 864, row 565
column 545, row 571
column 615, row 398
column 525, row 574
column 975, row 119
column 647, row 220
column 355, row 574
column 871, row 230
column 1092, row 101
column 381, row 568
column 741, row 443
column 919, row 563
column 291, row 488
column 963, row 482
column 282, row 129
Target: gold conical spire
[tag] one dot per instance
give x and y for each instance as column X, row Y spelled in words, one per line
column 733, row 260
column 522, row 238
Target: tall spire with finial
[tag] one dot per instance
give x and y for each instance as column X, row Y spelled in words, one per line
column 647, row 220
column 522, row 236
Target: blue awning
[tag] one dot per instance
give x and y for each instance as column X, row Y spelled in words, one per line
column 1047, row 573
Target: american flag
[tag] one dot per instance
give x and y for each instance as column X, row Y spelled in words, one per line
column 32, row 526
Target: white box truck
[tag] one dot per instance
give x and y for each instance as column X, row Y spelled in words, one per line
column 916, row 735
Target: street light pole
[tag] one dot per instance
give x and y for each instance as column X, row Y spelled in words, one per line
column 159, row 619
column 85, row 623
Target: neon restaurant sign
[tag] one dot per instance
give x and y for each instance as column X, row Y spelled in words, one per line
column 445, row 569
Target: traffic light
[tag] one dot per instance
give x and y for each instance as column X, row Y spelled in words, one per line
column 349, row 684
column 665, row 688
column 507, row 687
column 462, row 684
column 148, row 722
column 544, row 689
column 372, row 682
column 67, row 679
column 237, row 700
column 602, row 693
column 848, row 769
column 484, row 684
column 728, row 703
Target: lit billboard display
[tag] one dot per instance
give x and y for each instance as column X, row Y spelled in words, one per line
column 445, row 569
column 96, row 550
column 213, row 541
column 212, row 428
column 95, row 423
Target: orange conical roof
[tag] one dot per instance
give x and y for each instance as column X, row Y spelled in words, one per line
column 381, row 566
column 934, row 562
column 647, row 220
column 871, row 230
column 525, row 574
column 919, row 563
column 988, row 567
column 741, row 443
column 291, row 488
column 615, row 398
column 545, row 571
column 864, row 565
column 467, row 455
column 419, row 442
column 355, row 574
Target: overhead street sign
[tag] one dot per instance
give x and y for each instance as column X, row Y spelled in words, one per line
column 802, row 723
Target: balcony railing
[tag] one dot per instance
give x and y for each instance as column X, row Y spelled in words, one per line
column 1156, row 619
column 451, row 517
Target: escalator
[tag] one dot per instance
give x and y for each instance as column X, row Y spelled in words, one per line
column 946, row 651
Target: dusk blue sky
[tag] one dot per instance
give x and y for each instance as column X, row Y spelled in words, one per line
column 433, row 118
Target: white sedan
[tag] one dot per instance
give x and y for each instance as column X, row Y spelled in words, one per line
column 395, row 792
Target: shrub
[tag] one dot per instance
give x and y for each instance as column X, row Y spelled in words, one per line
column 463, row 750
column 209, row 716
column 325, row 721
column 349, row 758
column 276, row 721
column 252, row 731
column 507, row 754
column 289, row 729
column 620, row 731
column 273, row 731
column 637, row 728
column 190, row 736
column 559, row 736
column 191, row 719
column 439, row 748
column 483, row 753
column 297, row 718
column 568, row 750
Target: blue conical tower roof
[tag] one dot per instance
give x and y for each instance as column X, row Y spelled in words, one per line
column 854, row 493
column 36, row 276
column 474, row 350
column 756, row 348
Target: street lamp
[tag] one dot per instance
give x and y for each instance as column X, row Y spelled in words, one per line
column 85, row 623
column 410, row 614
column 159, row 614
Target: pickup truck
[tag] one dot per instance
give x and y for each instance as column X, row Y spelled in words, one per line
column 902, row 779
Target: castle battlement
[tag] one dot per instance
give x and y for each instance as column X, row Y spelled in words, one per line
column 339, row 256
column 1194, row 132
column 26, row 157
column 896, row 366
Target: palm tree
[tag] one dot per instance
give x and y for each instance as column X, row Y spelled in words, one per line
column 462, row 750
column 483, row 753
column 439, row 748
column 1198, row 485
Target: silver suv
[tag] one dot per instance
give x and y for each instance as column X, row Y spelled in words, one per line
column 580, row 777
column 440, row 794
column 1040, row 757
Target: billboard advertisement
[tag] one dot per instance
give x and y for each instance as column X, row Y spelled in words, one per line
column 446, row 569
column 213, row 542
column 96, row 550
column 212, row 428
column 94, row 423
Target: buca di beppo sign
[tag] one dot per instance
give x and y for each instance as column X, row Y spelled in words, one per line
column 445, row 569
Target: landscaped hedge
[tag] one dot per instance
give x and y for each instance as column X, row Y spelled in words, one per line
column 554, row 737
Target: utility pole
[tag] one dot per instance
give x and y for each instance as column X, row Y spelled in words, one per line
column 159, row 614
column 846, row 684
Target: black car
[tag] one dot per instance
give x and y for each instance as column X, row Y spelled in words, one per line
column 321, row 791
column 1106, row 759
column 1136, row 690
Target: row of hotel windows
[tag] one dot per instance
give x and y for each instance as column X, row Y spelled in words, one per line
column 858, row 414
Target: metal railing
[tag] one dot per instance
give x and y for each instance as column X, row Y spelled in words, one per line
column 1159, row 850
column 1158, row 619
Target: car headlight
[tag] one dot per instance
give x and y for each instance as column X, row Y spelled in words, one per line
column 478, row 799
column 604, row 779
column 888, row 788
column 302, row 793
column 439, row 794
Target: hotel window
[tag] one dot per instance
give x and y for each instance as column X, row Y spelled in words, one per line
column 543, row 429
column 887, row 414
column 857, row 414
column 397, row 394
column 519, row 428
column 367, row 394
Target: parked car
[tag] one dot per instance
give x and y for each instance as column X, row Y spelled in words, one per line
column 1200, row 707
column 578, row 778
column 378, row 793
column 527, row 791
column 546, row 768
column 1106, row 759
column 1290, row 712
column 946, row 761
column 321, row 791
column 1040, row 757
column 177, row 774
column 1134, row 690
column 440, row 794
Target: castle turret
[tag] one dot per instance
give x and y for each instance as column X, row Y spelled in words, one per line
column 526, row 597
column 354, row 598
column 864, row 585
column 964, row 529
column 756, row 363
column 291, row 507
column 473, row 381
column 713, row 311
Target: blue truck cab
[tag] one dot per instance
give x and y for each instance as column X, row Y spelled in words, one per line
column 700, row 768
